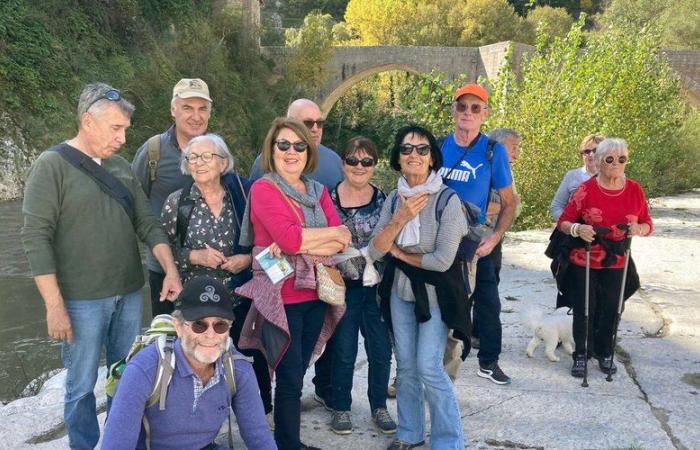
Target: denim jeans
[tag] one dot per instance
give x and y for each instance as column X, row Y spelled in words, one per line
column 362, row 314
column 113, row 322
column 419, row 352
column 305, row 321
column 322, row 373
column 487, row 310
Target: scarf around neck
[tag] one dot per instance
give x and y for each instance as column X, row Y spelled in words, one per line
column 310, row 203
column 410, row 234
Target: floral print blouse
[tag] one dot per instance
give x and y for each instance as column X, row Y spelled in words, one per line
column 204, row 229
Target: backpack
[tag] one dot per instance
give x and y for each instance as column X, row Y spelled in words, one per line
column 162, row 334
column 153, row 149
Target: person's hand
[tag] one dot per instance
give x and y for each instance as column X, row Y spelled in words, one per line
column 58, row 323
column 171, row 287
column 344, row 236
column 236, row 263
column 207, row 257
column 635, row 229
column 275, row 250
column 586, row 232
column 487, row 244
column 410, row 207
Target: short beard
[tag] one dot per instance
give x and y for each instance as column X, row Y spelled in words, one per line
column 191, row 350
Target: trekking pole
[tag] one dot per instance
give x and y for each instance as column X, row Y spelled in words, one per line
column 586, row 301
column 621, row 300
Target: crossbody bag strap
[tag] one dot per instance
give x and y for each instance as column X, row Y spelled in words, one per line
column 466, row 150
column 291, row 205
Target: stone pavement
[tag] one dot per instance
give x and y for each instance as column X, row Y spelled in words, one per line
column 651, row 404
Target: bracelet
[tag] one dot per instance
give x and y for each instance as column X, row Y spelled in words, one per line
column 574, row 229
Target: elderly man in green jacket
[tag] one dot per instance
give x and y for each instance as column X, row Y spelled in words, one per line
column 84, row 213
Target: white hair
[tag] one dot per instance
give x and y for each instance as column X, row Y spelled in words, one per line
column 220, row 148
column 607, row 146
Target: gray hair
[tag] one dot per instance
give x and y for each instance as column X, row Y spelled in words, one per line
column 501, row 135
column 177, row 315
column 93, row 97
column 609, row 145
column 174, row 99
column 220, row 148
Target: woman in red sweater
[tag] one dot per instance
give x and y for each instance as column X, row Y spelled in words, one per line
column 593, row 213
column 294, row 217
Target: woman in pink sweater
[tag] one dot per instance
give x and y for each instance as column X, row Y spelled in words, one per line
column 295, row 217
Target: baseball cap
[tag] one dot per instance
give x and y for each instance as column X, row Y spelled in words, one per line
column 191, row 87
column 473, row 89
column 205, row 297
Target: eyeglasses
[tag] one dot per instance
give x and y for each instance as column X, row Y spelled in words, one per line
column 611, row 159
column 310, row 123
column 206, row 157
column 475, row 108
column 199, row 326
column 352, row 161
column 112, row 95
column 588, row 151
column 421, row 149
column 284, row 145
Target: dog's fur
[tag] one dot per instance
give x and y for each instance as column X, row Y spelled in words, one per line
column 552, row 329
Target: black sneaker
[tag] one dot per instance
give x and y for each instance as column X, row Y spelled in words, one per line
column 383, row 420
column 607, row 365
column 322, row 401
column 341, row 422
column 578, row 370
column 494, row 373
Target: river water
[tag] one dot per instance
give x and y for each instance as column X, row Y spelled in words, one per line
column 26, row 351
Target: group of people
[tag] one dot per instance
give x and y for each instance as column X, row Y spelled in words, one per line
column 424, row 253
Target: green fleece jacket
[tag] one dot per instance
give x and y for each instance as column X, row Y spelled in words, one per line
column 83, row 235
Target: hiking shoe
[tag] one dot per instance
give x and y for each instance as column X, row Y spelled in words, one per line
column 341, row 423
column 322, row 401
column 401, row 445
column 607, row 365
column 384, row 421
column 493, row 373
column 391, row 390
column 578, row 370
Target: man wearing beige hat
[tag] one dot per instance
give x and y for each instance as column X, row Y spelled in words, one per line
column 157, row 162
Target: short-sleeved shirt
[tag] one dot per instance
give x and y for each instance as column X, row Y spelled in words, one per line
column 473, row 176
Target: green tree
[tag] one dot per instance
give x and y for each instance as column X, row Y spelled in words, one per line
column 557, row 23
column 489, row 21
column 313, row 48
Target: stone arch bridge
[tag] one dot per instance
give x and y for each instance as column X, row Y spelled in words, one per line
column 350, row 65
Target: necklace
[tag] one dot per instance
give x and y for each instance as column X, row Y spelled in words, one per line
column 611, row 192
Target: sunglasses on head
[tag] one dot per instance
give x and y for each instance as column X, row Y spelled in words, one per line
column 421, row 149
column 366, row 162
column 310, row 123
column 611, row 159
column 112, row 95
column 199, row 326
column 475, row 108
column 284, row 145
column 588, row 151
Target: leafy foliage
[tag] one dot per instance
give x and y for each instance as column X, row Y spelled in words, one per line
column 313, row 47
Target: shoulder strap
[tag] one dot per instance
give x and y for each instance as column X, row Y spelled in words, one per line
column 185, row 205
column 228, row 363
column 489, row 149
column 107, row 182
column 466, row 150
column 443, row 199
column 164, row 371
column 153, row 148
column 291, row 205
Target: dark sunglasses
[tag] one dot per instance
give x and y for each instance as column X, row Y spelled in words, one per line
column 199, row 326
column 588, row 151
column 475, row 108
column 610, row 159
column 310, row 123
column 284, row 145
column 352, row 161
column 206, row 157
column 421, row 149
column 112, row 95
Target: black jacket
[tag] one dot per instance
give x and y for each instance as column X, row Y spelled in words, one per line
column 451, row 296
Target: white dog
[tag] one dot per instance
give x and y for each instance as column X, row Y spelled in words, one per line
column 552, row 329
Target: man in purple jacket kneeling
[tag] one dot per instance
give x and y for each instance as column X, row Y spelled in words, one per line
column 198, row 400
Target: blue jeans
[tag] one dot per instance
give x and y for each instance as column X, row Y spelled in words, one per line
column 487, row 310
column 113, row 322
column 305, row 321
column 420, row 348
column 362, row 314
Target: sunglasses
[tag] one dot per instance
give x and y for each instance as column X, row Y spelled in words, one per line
column 475, row 108
column 421, row 149
column 611, row 159
column 199, row 326
column 310, row 123
column 112, row 95
column 206, row 157
column 366, row 162
column 588, row 151
column 284, row 145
